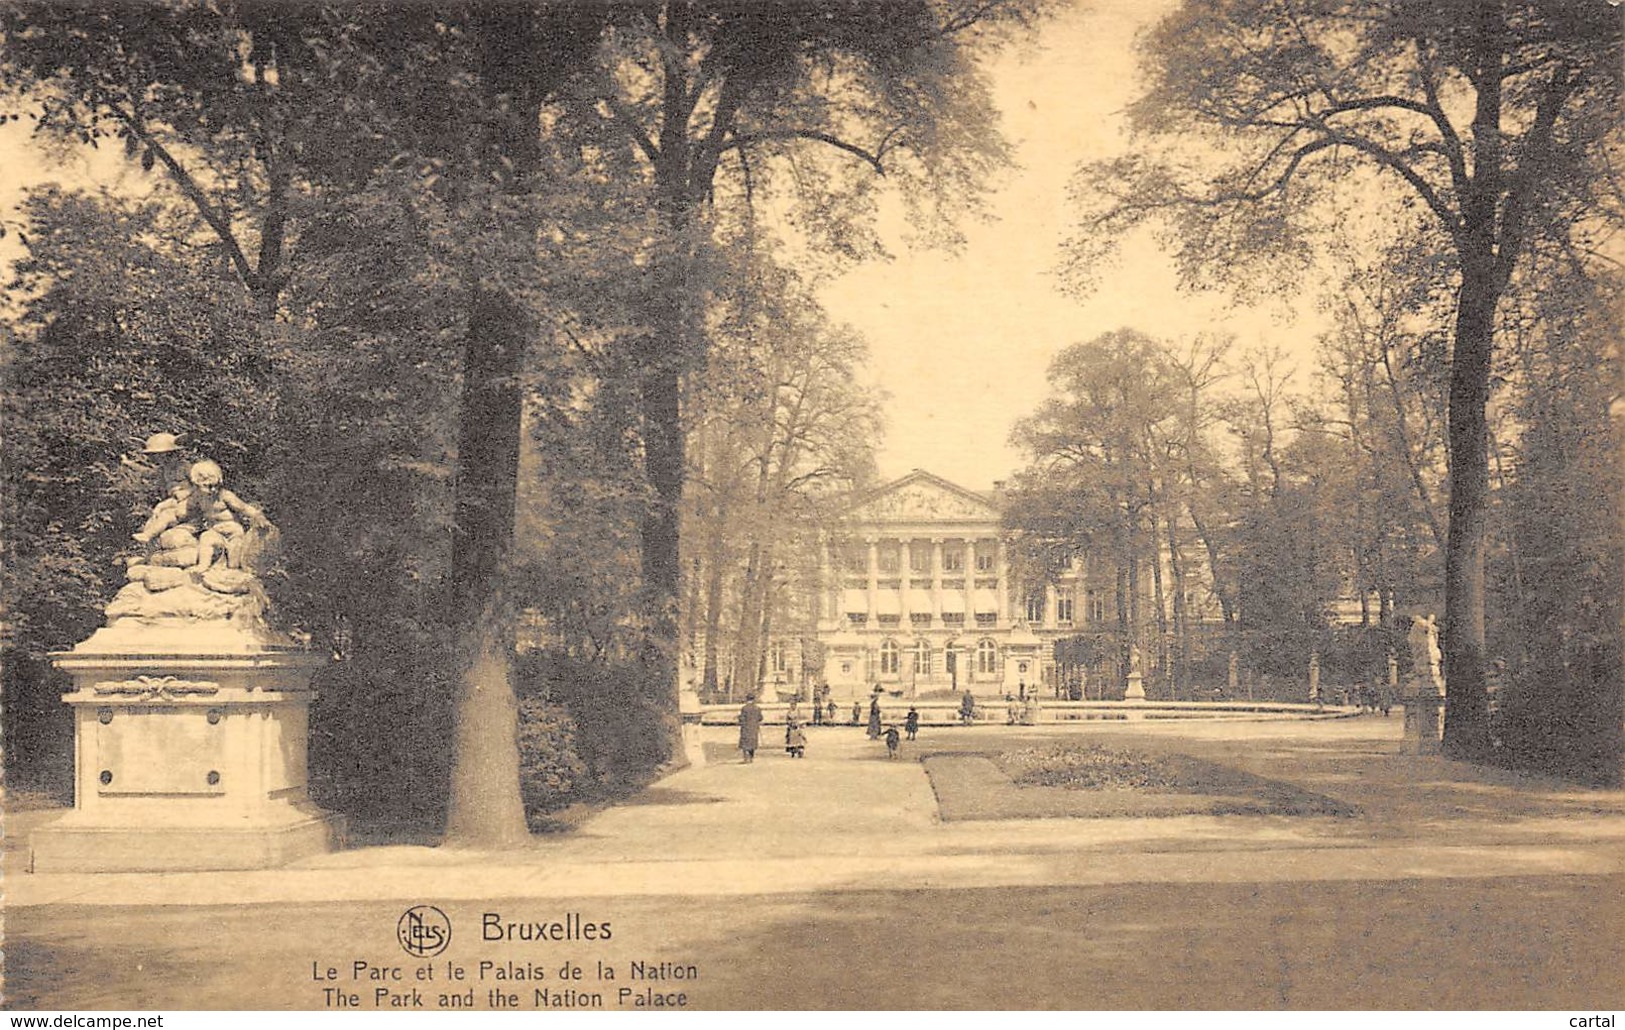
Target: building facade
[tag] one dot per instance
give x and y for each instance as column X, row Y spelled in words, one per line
column 916, row 595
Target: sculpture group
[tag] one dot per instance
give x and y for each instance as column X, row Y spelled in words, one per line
column 201, row 546
column 190, row 710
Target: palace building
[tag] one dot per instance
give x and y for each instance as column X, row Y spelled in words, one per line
column 916, row 595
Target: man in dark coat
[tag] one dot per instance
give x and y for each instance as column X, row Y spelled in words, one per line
column 750, row 728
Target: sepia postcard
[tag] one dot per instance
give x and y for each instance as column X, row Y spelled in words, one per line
column 864, row 505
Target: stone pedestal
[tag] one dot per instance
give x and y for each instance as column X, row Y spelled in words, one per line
column 189, row 752
column 1136, row 688
column 690, row 711
column 1424, row 704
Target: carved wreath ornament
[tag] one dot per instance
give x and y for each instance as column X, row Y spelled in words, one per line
column 145, row 688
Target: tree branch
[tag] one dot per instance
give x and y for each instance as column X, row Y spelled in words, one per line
column 1396, row 163
column 1537, row 142
column 219, row 222
column 745, row 139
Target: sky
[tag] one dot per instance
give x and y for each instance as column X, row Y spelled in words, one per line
column 960, row 342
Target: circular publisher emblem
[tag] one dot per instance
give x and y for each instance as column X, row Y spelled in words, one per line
column 423, row 931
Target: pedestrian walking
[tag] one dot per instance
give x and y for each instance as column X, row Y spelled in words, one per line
column 750, row 728
column 795, row 740
column 857, row 713
column 829, row 716
column 893, row 741
column 874, row 717
column 967, row 708
column 912, row 722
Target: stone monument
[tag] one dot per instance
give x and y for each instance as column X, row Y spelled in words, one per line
column 1424, row 696
column 1136, row 676
column 189, row 711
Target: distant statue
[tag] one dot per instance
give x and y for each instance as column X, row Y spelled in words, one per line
column 1134, row 661
column 1425, row 655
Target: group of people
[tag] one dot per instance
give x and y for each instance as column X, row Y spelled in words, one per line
column 750, row 731
column 795, row 731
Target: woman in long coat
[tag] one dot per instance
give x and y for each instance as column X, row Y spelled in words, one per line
column 750, row 728
column 874, row 717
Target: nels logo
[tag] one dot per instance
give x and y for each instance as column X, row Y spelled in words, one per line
column 424, row 931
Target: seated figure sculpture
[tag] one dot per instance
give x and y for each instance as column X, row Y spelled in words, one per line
column 202, row 546
column 208, row 512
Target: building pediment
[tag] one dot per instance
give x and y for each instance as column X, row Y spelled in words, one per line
column 922, row 497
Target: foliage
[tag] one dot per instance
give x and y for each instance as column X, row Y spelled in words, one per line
column 779, row 426
column 118, row 338
column 1556, row 615
column 1494, row 121
column 550, row 769
column 612, row 701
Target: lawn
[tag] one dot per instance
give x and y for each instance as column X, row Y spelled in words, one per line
column 1090, row 780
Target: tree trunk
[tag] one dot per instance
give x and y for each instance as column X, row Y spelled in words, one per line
column 1159, row 599
column 748, row 625
column 1176, row 566
column 1466, row 733
column 1227, row 607
column 1466, row 729
column 714, row 566
column 485, row 807
column 665, row 350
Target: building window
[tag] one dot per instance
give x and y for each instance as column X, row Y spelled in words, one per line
column 922, row 659
column 919, row 618
column 985, row 555
column 888, row 658
column 987, row 619
column 888, row 559
column 1097, row 606
column 855, row 558
column 1035, row 607
column 953, row 618
column 953, row 559
column 775, row 657
column 1064, row 606
column 919, row 558
column 889, row 620
column 858, row 618
column 987, row 658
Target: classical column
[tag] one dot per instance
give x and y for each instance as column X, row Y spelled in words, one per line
column 936, row 578
column 968, row 568
column 874, row 579
column 1002, row 587
column 905, row 569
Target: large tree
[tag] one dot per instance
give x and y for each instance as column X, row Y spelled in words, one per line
column 1493, row 117
column 723, row 99
column 243, row 105
column 1102, row 468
